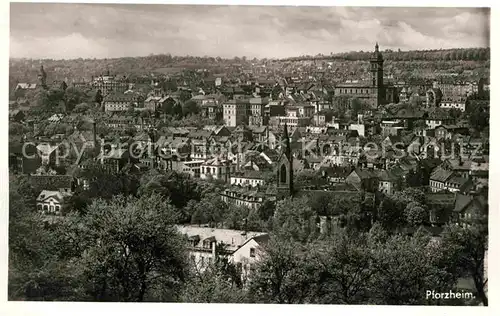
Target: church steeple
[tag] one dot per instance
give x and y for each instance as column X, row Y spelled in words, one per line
column 42, row 77
column 376, row 47
column 288, row 153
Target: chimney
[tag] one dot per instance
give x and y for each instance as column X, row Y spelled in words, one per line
column 94, row 133
column 102, row 151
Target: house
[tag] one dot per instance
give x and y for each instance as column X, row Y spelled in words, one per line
column 389, row 181
column 155, row 103
column 236, row 112
column 217, row 169
column 52, row 202
column 51, row 153
column 334, row 174
column 438, row 117
column 24, row 158
column 440, row 207
column 458, row 166
column 16, row 115
column 260, row 133
column 253, row 198
column 120, row 102
column 363, row 179
column 177, row 147
column 56, row 118
column 248, row 178
column 211, row 110
column 439, row 178
column 469, row 208
column 217, row 130
column 314, row 162
column 459, row 184
column 114, row 159
column 243, row 248
column 177, row 131
column 60, row 183
column 447, row 131
column 257, row 109
column 192, row 167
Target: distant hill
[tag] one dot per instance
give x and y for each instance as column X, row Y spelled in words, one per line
column 26, row 70
column 466, row 54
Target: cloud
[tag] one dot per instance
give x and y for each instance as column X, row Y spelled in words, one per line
column 97, row 30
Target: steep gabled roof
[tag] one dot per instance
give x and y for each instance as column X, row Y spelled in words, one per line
column 441, row 175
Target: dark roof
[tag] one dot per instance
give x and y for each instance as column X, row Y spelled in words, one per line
column 200, row 134
column 440, row 199
column 51, row 182
column 440, row 174
column 461, row 202
column 387, row 176
column 334, row 171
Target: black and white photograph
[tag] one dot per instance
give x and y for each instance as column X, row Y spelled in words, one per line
column 248, row 154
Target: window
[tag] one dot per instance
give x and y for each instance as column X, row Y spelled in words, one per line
column 58, row 208
column 252, row 252
column 39, row 207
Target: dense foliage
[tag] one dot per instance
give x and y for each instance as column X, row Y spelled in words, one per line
column 127, row 249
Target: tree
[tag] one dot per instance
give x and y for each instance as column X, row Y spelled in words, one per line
column 177, row 187
column 405, row 268
column 281, row 275
column 98, row 97
column 73, row 96
column 479, row 118
column 36, row 271
column 309, row 177
column 16, row 128
column 129, row 248
column 342, row 270
column 219, row 282
column 292, row 219
column 467, row 248
column 266, row 210
column 190, row 107
column 389, row 214
column 185, row 96
column 81, row 108
column 416, row 214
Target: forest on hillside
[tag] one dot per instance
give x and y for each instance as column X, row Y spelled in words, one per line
column 464, row 54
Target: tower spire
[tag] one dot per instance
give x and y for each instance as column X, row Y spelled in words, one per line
column 288, row 153
column 376, row 46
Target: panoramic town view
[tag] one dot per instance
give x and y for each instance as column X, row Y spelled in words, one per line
column 280, row 155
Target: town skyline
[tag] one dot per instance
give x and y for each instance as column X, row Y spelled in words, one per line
column 73, row 31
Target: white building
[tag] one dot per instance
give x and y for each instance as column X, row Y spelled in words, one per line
column 453, row 105
column 51, row 202
column 192, row 168
column 358, row 127
column 243, row 248
column 248, row 178
column 236, row 112
column 217, row 169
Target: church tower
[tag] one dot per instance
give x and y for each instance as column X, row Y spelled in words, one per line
column 42, row 78
column 377, row 70
column 285, row 166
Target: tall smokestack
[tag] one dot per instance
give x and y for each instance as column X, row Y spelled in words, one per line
column 94, row 133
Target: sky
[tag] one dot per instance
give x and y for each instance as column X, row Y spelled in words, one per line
column 66, row 31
